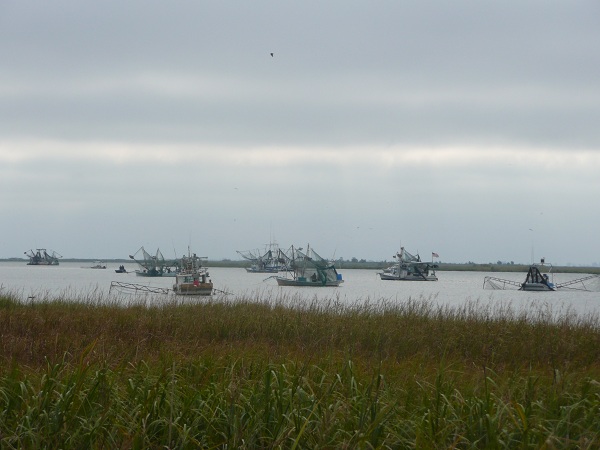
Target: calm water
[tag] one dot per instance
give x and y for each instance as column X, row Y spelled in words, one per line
column 453, row 288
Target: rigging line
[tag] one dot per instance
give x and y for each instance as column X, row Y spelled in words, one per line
column 174, row 251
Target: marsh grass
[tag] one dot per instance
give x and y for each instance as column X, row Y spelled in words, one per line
column 295, row 373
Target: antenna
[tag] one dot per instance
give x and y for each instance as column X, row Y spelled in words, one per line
column 532, row 258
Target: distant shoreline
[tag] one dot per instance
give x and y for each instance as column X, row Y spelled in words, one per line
column 369, row 265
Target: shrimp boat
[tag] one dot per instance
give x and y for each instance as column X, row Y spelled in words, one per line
column 40, row 257
column 192, row 278
column 150, row 265
column 262, row 262
column 539, row 279
column 307, row 269
column 409, row 267
column 96, row 265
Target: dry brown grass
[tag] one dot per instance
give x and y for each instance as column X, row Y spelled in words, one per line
column 288, row 373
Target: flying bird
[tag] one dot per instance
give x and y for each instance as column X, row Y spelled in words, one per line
column 271, row 55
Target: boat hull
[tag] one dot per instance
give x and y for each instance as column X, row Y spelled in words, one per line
column 539, row 287
column 191, row 289
column 388, row 276
column 307, row 282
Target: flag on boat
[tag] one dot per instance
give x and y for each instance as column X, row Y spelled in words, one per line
column 434, row 255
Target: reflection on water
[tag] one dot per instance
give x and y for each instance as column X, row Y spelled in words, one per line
column 455, row 289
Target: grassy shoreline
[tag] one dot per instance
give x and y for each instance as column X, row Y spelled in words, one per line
column 369, row 265
column 293, row 373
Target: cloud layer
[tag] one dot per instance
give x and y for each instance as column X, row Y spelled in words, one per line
column 453, row 128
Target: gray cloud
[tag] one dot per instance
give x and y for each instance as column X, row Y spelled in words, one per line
column 355, row 101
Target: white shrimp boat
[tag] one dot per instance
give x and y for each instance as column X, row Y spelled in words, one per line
column 41, row 257
column 192, row 278
column 409, row 267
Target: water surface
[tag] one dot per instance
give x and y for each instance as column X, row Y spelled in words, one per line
column 75, row 280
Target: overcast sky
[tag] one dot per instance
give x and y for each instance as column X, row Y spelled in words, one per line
column 470, row 129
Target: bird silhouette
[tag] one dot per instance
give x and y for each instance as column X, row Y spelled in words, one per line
column 271, row 55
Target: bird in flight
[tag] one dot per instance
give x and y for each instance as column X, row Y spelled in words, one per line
column 271, row 55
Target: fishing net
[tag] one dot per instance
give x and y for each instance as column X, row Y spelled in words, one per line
column 498, row 284
column 588, row 283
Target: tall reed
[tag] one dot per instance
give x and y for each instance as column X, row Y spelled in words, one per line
column 477, row 333
column 295, row 373
column 256, row 404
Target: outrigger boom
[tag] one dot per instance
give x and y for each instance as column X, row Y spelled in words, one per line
column 133, row 288
column 137, row 288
